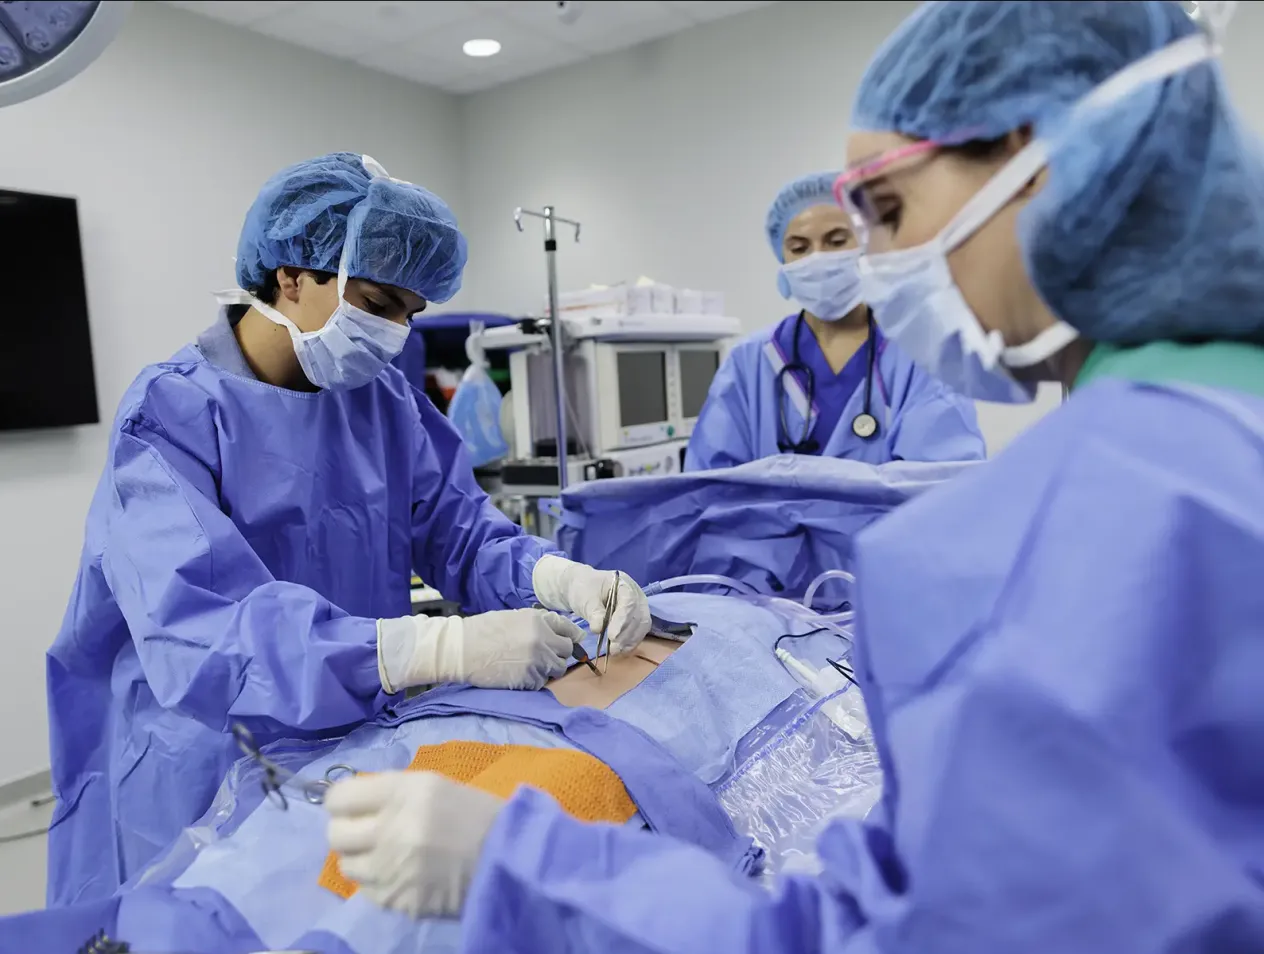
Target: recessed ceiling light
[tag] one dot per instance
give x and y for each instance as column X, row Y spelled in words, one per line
column 481, row 47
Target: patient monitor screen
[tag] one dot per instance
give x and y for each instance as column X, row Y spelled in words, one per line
column 697, row 368
column 642, row 387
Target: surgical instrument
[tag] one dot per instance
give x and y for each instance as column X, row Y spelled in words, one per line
column 579, row 653
column 582, row 655
column 275, row 776
column 612, row 600
column 102, row 943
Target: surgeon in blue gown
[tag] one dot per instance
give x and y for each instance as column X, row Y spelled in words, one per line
column 1060, row 651
column 268, row 492
column 826, row 380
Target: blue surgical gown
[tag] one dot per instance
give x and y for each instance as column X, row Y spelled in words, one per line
column 918, row 417
column 241, row 544
column 1061, row 656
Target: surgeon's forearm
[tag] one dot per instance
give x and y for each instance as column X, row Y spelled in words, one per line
column 281, row 656
column 501, row 576
column 549, row 882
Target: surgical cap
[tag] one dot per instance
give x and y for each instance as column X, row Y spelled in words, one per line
column 396, row 233
column 794, row 197
column 1150, row 224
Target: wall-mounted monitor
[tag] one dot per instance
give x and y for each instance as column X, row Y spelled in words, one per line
column 46, row 376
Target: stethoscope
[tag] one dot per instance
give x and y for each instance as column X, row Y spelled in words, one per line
column 864, row 425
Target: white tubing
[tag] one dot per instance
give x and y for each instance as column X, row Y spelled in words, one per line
column 676, row 582
column 827, row 575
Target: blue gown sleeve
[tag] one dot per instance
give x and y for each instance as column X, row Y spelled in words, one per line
column 219, row 639
column 547, row 882
column 724, row 434
column 462, row 545
column 934, row 424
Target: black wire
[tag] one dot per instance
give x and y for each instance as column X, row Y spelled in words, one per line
column 813, row 632
column 844, row 670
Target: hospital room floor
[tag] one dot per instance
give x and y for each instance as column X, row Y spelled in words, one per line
column 23, row 864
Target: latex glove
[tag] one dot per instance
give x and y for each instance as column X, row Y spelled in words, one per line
column 571, row 587
column 410, row 839
column 506, row 649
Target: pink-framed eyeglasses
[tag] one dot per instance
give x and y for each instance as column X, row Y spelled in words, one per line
column 849, row 186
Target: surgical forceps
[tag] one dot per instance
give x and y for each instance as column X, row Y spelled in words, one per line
column 602, row 638
column 275, row 776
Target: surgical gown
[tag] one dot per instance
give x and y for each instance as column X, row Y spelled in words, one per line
column 1061, row 655
column 241, row 544
column 918, row 418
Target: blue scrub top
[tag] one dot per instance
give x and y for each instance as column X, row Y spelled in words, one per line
column 919, row 419
column 242, row 543
column 830, row 392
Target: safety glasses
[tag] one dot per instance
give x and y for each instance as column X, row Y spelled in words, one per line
column 850, row 192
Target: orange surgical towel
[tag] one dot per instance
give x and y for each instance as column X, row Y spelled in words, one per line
column 585, row 787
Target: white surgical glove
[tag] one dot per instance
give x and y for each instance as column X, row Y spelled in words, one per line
column 411, row 840
column 570, row 587
column 506, row 649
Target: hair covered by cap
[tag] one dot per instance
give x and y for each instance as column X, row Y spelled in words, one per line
column 396, row 233
column 1150, row 224
column 816, row 188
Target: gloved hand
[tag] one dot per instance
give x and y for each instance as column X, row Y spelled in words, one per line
column 410, row 839
column 506, row 649
column 570, row 587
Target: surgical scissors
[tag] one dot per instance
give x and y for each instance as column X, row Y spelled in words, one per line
column 275, row 776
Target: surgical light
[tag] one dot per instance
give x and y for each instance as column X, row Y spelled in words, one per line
column 42, row 45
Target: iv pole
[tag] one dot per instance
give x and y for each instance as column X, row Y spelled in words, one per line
column 555, row 325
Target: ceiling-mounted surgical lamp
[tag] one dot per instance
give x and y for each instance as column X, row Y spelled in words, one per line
column 43, row 44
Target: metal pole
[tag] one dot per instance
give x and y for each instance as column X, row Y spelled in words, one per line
column 557, row 337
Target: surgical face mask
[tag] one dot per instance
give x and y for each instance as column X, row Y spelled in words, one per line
column 350, row 350
column 918, row 305
column 826, row 284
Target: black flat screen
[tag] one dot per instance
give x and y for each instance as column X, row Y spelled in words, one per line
column 46, row 377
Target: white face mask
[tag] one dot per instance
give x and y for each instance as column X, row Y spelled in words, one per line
column 351, row 349
column 918, row 305
column 826, row 284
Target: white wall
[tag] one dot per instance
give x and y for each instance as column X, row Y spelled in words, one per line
column 670, row 153
column 165, row 141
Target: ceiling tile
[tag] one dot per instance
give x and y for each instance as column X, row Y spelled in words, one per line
column 403, row 61
column 241, row 14
column 421, row 40
column 598, row 21
column 304, row 29
column 703, row 10
column 392, row 20
column 519, row 47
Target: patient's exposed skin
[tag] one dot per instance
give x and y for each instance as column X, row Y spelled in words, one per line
column 580, row 687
